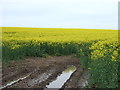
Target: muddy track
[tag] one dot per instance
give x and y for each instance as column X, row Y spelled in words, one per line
column 39, row 72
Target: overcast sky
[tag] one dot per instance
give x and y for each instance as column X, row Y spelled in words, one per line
column 94, row 14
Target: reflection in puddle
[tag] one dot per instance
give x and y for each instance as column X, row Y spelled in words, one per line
column 60, row 80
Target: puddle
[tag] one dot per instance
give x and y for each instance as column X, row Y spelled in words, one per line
column 13, row 82
column 58, row 83
column 60, row 80
column 31, row 82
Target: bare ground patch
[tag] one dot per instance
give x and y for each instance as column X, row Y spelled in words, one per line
column 42, row 71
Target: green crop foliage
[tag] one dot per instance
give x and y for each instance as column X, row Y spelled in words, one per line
column 97, row 49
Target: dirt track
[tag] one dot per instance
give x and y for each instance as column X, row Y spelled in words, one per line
column 41, row 71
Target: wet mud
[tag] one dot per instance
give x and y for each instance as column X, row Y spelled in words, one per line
column 36, row 72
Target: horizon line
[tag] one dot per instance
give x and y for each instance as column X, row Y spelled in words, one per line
column 59, row 28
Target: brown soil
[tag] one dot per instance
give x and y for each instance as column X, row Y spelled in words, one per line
column 42, row 71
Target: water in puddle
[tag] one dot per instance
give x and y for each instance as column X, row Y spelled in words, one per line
column 60, row 80
column 32, row 82
column 58, row 83
column 13, row 82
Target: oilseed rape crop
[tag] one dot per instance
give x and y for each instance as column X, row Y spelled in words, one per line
column 97, row 49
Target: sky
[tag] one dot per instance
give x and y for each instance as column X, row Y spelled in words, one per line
column 91, row 14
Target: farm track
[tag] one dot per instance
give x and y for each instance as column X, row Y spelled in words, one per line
column 42, row 71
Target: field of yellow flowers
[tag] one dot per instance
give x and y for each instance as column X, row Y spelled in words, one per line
column 97, row 49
